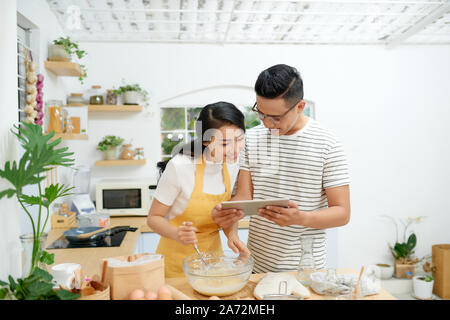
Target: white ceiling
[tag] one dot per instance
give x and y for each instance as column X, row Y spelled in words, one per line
column 387, row 22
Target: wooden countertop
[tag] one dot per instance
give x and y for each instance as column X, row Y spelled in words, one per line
column 182, row 285
column 90, row 258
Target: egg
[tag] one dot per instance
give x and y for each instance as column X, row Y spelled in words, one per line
column 164, row 293
column 150, row 295
column 137, row 294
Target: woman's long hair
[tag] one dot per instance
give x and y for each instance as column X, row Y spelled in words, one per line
column 212, row 116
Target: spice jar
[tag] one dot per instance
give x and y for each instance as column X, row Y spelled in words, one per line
column 96, row 97
column 139, row 153
column 55, row 120
column 111, row 97
column 127, row 152
column 76, row 99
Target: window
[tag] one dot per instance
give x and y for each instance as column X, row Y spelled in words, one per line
column 23, row 42
column 178, row 125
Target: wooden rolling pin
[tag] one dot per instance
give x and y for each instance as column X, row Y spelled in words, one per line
column 177, row 294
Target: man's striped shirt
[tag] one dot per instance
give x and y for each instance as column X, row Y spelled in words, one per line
column 299, row 167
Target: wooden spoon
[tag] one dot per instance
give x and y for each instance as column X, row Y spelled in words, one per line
column 355, row 292
column 89, row 234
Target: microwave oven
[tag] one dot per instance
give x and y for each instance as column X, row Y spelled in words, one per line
column 124, row 197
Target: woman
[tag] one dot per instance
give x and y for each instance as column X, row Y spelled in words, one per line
column 198, row 178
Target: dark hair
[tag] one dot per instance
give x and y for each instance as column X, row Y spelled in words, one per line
column 280, row 81
column 212, row 116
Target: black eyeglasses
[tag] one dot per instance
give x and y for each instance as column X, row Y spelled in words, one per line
column 274, row 119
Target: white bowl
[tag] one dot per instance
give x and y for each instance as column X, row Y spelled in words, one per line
column 386, row 270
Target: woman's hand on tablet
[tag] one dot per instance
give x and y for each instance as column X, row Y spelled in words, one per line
column 186, row 234
column 227, row 217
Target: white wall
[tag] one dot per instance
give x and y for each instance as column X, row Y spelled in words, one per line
column 389, row 107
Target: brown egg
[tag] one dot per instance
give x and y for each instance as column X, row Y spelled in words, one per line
column 164, row 293
column 150, row 295
column 137, row 294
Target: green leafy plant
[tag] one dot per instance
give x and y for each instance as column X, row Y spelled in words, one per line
column 40, row 155
column 403, row 250
column 71, row 48
column 133, row 87
column 109, row 142
column 37, row 286
column 426, row 278
column 84, row 73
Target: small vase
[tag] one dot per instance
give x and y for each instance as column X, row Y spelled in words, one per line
column 56, row 52
column 422, row 289
column 32, row 250
column 131, row 97
column 110, row 153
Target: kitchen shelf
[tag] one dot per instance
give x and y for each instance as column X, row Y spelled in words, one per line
column 108, row 107
column 62, row 68
column 110, row 163
column 70, row 136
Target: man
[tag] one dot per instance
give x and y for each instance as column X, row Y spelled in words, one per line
column 288, row 156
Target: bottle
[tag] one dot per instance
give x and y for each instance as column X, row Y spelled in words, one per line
column 307, row 264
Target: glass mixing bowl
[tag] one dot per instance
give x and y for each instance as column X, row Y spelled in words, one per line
column 224, row 273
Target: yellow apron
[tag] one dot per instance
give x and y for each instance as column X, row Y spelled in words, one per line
column 198, row 211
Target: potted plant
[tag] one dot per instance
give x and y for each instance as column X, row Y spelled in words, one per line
column 109, row 146
column 40, row 155
column 132, row 93
column 403, row 251
column 423, row 286
column 62, row 49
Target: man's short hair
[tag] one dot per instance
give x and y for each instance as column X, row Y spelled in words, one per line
column 280, row 81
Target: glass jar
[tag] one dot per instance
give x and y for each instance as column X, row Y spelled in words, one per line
column 139, row 154
column 32, row 249
column 307, row 265
column 127, row 152
column 54, row 116
column 76, row 99
column 111, row 97
column 96, row 96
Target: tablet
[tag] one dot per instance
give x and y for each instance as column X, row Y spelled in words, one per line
column 250, row 207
